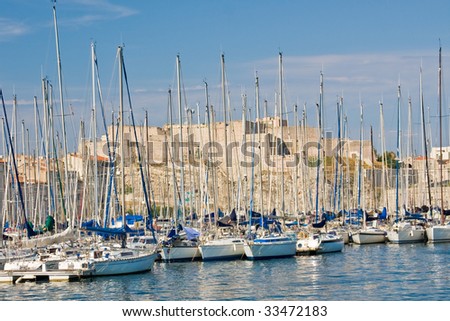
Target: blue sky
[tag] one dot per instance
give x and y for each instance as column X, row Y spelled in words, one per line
column 364, row 48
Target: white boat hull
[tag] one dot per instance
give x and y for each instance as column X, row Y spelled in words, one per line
column 438, row 233
column 270, row 248
column 331, row 246
column 180, row 253
column 307, row 245
column 369, row 237
column 406, row 236
column 114, row 266
column 222, row 249
column 320, row 245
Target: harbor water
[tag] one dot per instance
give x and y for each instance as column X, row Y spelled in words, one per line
column 378, row 272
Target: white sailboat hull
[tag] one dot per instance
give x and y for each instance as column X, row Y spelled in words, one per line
column 438, row 233
column 266, row 248
column 345, row 236
column 125, row 266
column 369, row 237
column 331, row 246
column 321, row 244
column 180, row 253
column 114, row 266
column 410, row 235
column 222, row 249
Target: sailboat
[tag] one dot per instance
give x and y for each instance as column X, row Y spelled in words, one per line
column 407, row 230
column 221, row 243
column 317, row 241
column 365, row 235
column 181, row 243
column 113, row 260
column 271, row 242
column 440, row 233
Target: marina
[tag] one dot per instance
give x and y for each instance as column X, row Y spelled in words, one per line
column 255, row 200
column 377, row 272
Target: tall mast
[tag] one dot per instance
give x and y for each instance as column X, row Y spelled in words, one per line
column 425, row 145
column 180, row 115
column 281, row 130
column 174, row 182
column 319, row 145
column 210, row 144
column 258, row 120
column 94, row 129
column 440, row 134
column 61, row 101
column 121, row 131
column 338, row 150
column 189, row 112
column 410, row 154
column 47, row 142
column 373, row 168
column 224, row 105
column 360, row 164
column 397, row 158
column 243, row 188
column 25, row 177
column 384, row 181
column 296, row 162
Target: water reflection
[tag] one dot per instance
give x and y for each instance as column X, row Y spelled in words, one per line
column 369, row 272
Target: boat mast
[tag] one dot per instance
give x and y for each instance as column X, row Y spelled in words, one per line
column 319, row 145
column 410, row 154
column 384, row 181
column 336, row 197
column 210, row 145
column 440, row 134
column 281, row 131
column 180, row 115
column 224, row 105
column 121, row 133
column 61, row 103
column 397, row 158
column 174, row 180
column 425, row 145
column 244, row 184
column 360, row 165
column 258, row 120
column 373, row 168
column 296, row 162
column 94, row 129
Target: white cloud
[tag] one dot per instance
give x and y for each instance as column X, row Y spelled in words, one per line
column 10, row 28
column 98, row 10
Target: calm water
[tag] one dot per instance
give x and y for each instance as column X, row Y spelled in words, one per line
column 368, row 272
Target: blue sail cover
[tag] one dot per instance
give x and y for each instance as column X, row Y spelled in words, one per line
column 319, row 224
column 172, row 233
column 233, row 215
column 191, row 233
column 383, row 214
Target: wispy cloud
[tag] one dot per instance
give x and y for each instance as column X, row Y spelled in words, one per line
column 370, row 75
column 97, row 10
column 10, row 28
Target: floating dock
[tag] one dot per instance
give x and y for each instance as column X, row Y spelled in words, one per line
column 22, row 276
